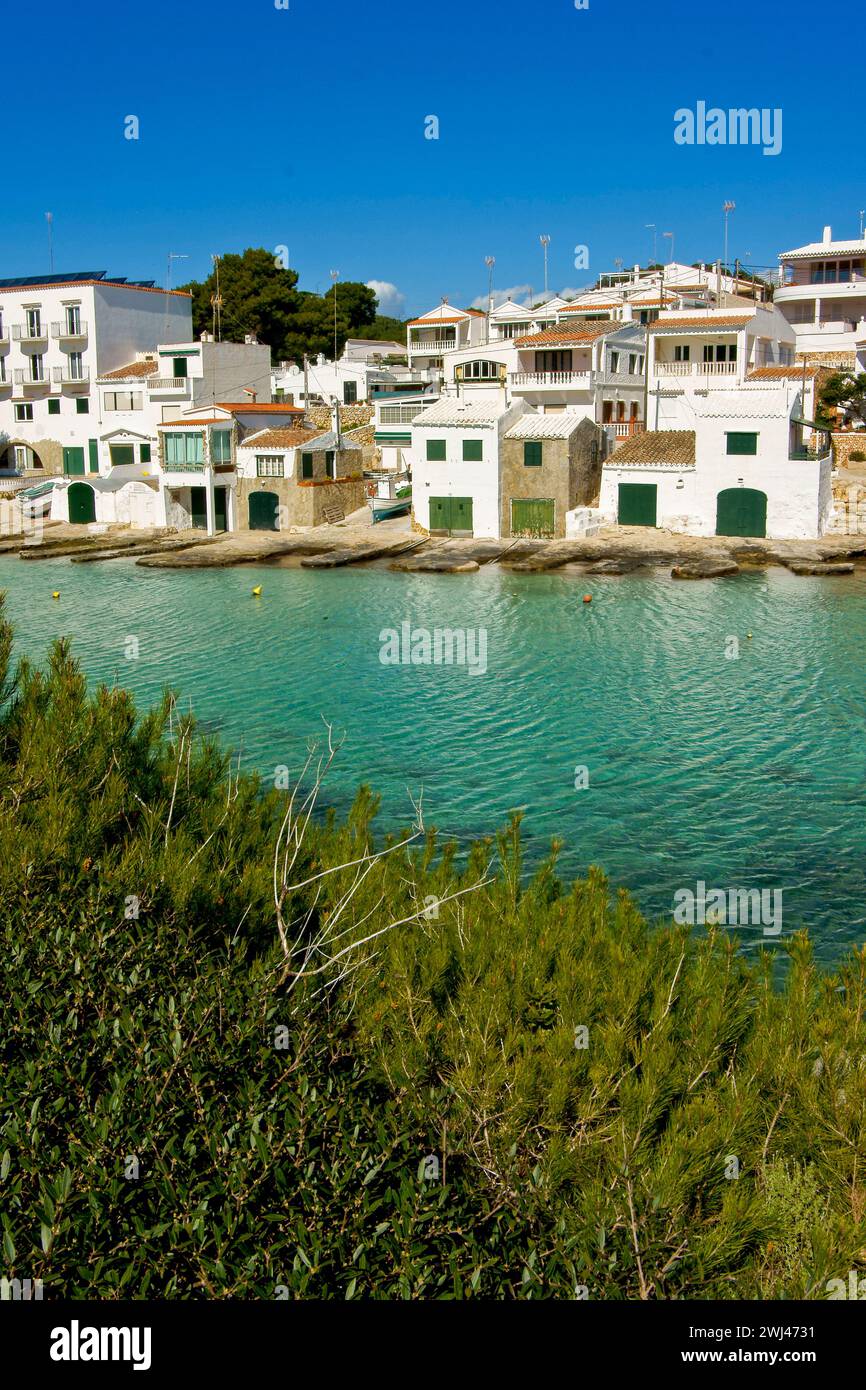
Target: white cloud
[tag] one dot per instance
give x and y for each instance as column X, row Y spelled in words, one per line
column 391, row 301
column 500, row 296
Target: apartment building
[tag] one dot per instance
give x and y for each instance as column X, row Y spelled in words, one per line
column 822, row 294
column 441, row 330
column 58, row 334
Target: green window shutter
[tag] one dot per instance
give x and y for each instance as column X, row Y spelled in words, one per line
column 82, row 406
column 473, row 450
column 93, row 455
column 53, row 405
column 306, row 465
column 436, row 450
column 350, row 392
column 532, row 453
column 741, row 443
column 144, row 453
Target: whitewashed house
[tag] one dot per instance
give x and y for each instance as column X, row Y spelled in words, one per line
column 393, row 415
column 456, row 447
column 822, row 294
column 440, row 330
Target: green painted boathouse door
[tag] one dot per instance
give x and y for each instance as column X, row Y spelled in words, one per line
column 741, row 511
column 451, row 516
column 637, row 504
column 198, row 507
column 532, row 516
column 82, row 503
column 219, row 509
column 263, row 511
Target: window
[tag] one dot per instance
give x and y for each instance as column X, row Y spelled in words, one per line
column 473, row 450
column 221, row 446
column 436, row 450
column 481, row 371
column 270, row 466
column 632, row 362
column 614, row 361
column 82, row 406
column 37, row 367
column 350, row 392
column 178, row 367
column 184, row 449
column 330, row 463
column 53, row 405
column 399, row 414
column 532, row 453
column 76, row 366
column 34, row 323
column 559, row 361
column 682, row 352
column 93, row 452
column 740, row 443
column 122, row 400
column 640, row 364
column 24, row 412
column 306, row 465
column 73, row 320
column 144, row 453
column 121, row 454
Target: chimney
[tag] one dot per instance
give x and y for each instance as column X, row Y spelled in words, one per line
column 828, row 235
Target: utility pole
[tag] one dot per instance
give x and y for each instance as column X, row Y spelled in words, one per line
column 651, row 227
column 306, row 384
column 727, row 207
column 335, row 275
column 545, row 241
column 490, row 262
column 49, row 218
column 217, row 302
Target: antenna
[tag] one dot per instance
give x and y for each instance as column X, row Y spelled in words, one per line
column 216, row 300
column 490, row 262
column 651, row 227
column 545, row 241
column 335, row 275
column 49, row 218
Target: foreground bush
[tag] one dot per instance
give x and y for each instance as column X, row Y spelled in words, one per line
column 421, row 1078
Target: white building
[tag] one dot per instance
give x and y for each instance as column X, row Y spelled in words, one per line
column 58, row 334
column 735, row 465
column 346, row 381
column 440, row 330
column 822, row 294
column 393, row 416
column 456, row 465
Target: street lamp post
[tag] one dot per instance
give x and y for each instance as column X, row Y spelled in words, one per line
column 545, row 241
column 671, row 236
column 651, row 227
column 727, row 207
column 335, row 275
column 490, row 262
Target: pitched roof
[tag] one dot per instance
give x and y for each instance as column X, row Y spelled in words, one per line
column 793, row 370
column 451, row 411
column 286, row 438
column 451, row 318
column 173, row 424
column 132, row 369
column 588, row 307
column 564, row 334
column 702, row 325
column 559, row 426
column 825, row 248
column 673, row 447
column 260, row 408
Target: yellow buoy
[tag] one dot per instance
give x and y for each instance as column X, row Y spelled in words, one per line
column 257, row 590
column 56, row 593
column 748, row 634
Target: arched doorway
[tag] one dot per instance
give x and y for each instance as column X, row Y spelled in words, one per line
column 82, row 503
column 263, row 511
column 741, row 511
column 20, row 457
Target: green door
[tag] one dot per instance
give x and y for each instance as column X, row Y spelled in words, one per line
column 263, row 511
column 219, row 509
column 637, row 504
column 82, row 503
column 198, row 507
column 73, row 460
column 532, row 516
column 741, row 511
column 451, row 516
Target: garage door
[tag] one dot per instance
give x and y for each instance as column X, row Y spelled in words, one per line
column 741, row 511
column 263, row 511
column 73, row 460
column 637, row 504
column 82, row 503
column 532, row 516
column 451, row 516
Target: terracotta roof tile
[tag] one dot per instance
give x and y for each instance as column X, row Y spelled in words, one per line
column 431, row 323
column 563, row 334
column 673, row 447
column 132, row 369
column 703, row 325
column 260, row 408
column 281, row 438
column 792, row 370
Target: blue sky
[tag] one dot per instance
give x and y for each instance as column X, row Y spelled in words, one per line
column 305, row 127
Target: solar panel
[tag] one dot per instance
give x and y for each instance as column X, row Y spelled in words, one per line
column 52, row 279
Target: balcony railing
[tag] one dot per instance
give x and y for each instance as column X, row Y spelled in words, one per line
column 167, row 383
column 64, row 377
column 23, row 333
column 542, row 380
column 24, row 378
column 624, row 429
column 67, row 330
column 433, row 345
column 696, row 368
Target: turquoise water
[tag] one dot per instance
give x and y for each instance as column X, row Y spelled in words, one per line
column 746, row 772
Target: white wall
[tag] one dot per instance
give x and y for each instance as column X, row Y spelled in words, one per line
column 455, row 478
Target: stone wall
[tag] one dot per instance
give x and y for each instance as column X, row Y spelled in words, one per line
column 847, row 443
column 848, row 517
column 842, row 358
column 351, row 416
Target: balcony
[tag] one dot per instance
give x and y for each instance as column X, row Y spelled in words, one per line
column 23, row 333
column 64, row 376
column 432, row 346
column 696, row 368
column 541, row 381
column 66, row 330
column 28, row 381
column 624, row 429
column 5, row 381
column 167, row 385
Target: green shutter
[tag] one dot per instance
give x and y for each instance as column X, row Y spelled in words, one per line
column 436, row 450
column 53, row 405
column 532, row 453
column 93, row 455
column 306, row 465
column 740, row 443
column 532, row 516
column 82, row 406
column 144, row 453
column 473, row 450
column 637, row 504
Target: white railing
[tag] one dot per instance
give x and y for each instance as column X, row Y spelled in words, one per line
column 167, row 383
column 65, row 377
column 23, row 334
column 23, row 378
column 434, row 345
column 64, row 330
column 626, row 428
column 674, row 368
column 696, row 368
column 542, row 379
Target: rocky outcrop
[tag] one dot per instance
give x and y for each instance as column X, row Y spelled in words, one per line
column 705, row 568
column 820, row 567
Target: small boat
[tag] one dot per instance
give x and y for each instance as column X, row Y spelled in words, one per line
column 36, row 501
column 389, row 494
